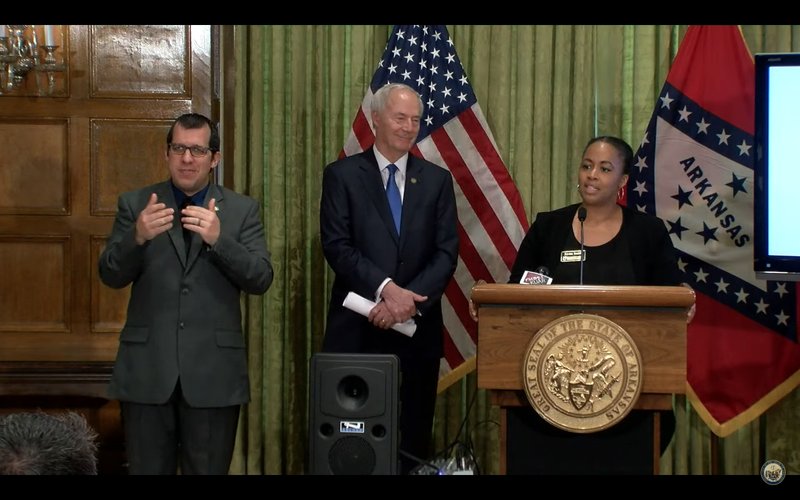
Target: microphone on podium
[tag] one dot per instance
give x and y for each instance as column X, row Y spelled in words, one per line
column 539, row 277
column 581, row 218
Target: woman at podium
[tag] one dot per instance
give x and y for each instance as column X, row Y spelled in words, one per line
column 620, row 246
column 595, row 242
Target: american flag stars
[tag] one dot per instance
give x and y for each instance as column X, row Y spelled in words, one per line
column 424, row 58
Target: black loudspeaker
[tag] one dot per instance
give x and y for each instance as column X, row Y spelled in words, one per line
column 353, row 424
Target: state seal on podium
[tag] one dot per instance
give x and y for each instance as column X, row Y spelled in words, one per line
column 582, row 373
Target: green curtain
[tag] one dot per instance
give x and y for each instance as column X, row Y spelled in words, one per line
column 545, row 90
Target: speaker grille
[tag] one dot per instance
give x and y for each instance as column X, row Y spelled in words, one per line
column 351, row 456
column 353, row 414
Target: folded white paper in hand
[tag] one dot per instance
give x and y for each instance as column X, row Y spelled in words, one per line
column 362, row 306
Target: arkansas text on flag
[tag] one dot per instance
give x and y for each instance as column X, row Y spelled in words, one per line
column 453, row 134
column 694, row 169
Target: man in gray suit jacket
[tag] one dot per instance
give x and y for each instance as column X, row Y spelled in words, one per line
column 181, row 369
column 402, row 264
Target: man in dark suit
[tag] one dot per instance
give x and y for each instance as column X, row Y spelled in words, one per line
column 403, row 265
column 181, row 369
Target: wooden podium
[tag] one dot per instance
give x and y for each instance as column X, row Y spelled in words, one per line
column 509, row 315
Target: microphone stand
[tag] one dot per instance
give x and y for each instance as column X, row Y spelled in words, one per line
column 581, row 218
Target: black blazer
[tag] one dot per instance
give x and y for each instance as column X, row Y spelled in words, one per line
column 651, row 249
column 361, row 246
column 184, row 314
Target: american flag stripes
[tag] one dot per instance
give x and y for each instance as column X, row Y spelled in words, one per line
column 453, row 134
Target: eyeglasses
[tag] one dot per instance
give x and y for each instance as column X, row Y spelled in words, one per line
column 196, row 151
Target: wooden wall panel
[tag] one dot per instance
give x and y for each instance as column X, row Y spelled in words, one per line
column 43, row 305
column 140, row 61
column 126, row 155
column 33, row 177
column 108, row 304
column 66, row 159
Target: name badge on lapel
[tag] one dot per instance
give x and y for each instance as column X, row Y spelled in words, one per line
column 573, row 256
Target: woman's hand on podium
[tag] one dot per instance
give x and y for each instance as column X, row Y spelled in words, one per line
column 693, row 309
column 473, row 311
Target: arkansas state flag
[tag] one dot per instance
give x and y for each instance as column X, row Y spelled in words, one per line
column 694, row 169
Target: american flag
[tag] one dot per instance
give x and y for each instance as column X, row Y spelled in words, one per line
column 453, row 134
column 694, row 169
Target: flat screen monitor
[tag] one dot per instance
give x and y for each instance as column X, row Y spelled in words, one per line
column 777, row 167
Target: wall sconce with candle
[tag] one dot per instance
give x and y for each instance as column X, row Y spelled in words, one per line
column 21, row 63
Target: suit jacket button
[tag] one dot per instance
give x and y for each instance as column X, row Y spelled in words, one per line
column 185, row 291
column 182, row 325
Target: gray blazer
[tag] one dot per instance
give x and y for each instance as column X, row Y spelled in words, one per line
column 184, row 317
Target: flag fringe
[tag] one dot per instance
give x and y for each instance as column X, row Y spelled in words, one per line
column 728, row 427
